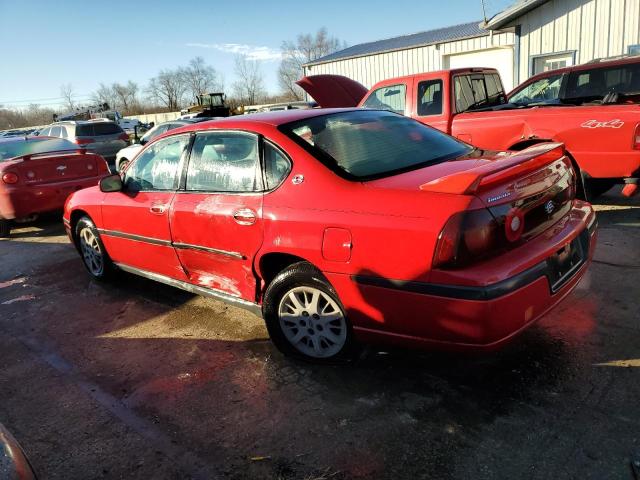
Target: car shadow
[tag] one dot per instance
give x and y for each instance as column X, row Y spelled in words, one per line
column 46, row 225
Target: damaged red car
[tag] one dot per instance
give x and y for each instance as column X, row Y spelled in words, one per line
column 345, row 225
column 38, row 174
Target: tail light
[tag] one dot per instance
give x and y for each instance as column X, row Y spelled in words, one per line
column 10, row 178
column 124, row 136
column 636, row 138
column 467, row 236
column 84, row 141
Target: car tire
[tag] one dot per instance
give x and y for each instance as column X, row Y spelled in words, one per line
column 122, row 164
column 305, row 317
column 94, row 256
column 595, row 187
column 5, row 228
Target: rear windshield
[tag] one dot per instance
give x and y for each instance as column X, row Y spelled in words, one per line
column 18, row 148
column 96, row 129
column 368, row 144
column 595, row 84
column 478, row 91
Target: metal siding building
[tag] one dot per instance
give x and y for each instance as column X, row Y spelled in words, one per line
column 557, row 33
column 529, row 37
column 455, row 46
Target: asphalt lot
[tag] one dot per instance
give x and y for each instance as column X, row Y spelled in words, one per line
column 134, row 379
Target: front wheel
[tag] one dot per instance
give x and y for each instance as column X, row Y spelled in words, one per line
column 305, row 318
column 94, row 256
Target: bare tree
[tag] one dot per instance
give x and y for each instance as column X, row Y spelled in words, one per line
column 105, row 94
column 305, row 49
column 249, row 86
column 199, row 77
column 168, row 88
column 126, row 95
column 67, row 93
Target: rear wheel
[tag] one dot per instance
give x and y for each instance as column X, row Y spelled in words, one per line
column 5, row 228
column 94, row 256
column 594, row 187
column 305, row 318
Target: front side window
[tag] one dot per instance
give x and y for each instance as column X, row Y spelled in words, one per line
column 363, row 144
column 157, row 167
column 430, row 97
column 224, row 162
column 545, row 90
column 392, row 98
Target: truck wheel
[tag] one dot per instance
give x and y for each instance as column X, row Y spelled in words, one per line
column 5, row 228
column 594, row 187
column 305, row 317
column 94, row 255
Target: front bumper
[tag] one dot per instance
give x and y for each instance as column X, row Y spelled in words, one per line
column 462, row 317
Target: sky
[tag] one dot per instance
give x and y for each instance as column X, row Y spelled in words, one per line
column 46, row 44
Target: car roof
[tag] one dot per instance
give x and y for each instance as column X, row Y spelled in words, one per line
column 239, row 122
column 592, row 65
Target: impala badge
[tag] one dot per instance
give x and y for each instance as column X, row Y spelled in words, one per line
column 549, row 207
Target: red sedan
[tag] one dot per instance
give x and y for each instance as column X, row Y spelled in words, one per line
column 38, row 174
column 340, row 225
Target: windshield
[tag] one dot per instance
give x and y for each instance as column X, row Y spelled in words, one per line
column 545, row 90
column 18, row 148
column 368, row 144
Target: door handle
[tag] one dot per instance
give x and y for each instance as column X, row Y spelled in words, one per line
column 245, row 216
column 158, row 209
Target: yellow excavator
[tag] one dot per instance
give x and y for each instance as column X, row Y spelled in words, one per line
column 209, row 105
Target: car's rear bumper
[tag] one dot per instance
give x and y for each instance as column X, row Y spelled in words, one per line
column 24, row 201
column 461, row 317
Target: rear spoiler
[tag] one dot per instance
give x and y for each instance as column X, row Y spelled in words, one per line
column 512, row 166
column 55, row 153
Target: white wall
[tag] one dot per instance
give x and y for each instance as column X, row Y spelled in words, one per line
column 370, row 69
column 591, row 28
column 156, row 117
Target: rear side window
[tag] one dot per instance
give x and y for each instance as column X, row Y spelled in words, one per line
column 44, row 132
column 477, row 91
column 595, row 84
column 430, row 97
column 224, row 162
column 56, row 132
column 392, row 98
column 276, row 166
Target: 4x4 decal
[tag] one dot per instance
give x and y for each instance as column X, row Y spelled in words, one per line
column 608, row 124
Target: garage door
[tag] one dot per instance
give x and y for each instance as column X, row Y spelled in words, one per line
column 498, row 58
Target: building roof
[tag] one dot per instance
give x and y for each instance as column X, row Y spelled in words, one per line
column 514, row 11
column 430, row 37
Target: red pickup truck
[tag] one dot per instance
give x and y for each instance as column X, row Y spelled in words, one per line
column 593, row 109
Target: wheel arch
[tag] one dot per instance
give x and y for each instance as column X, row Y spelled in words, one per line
column 270, row 264
column 75, row 216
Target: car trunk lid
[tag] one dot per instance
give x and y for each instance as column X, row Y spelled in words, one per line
column 54, row 167
column 333, row 91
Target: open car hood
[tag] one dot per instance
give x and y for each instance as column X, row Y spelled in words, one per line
column 333, row 91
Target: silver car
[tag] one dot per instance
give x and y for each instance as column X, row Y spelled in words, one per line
column 102, row 137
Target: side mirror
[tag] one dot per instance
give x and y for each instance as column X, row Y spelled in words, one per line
column 111, row 183
column 143, row 141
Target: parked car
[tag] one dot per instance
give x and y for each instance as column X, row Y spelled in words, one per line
column 14, row 464
column 103, row 137
column 38, row 173
column 126, row 154
column 592, row 109
column 129, row 124
column 345, row 224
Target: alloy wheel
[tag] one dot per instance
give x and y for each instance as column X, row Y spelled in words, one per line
column 312, row 322
column 91, row 252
